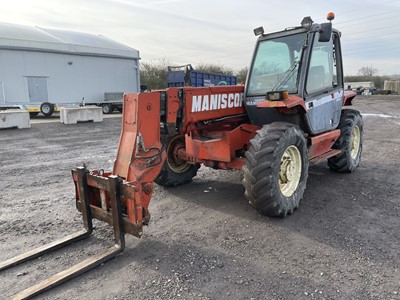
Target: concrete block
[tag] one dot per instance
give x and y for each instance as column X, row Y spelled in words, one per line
column 15, row 118
column 73, row 115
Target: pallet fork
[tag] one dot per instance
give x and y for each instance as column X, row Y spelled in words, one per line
column 120, row 198
column 114, row 189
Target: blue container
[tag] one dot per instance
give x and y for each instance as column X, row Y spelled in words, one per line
column 190, row 77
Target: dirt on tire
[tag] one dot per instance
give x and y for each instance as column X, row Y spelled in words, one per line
column 204, row 240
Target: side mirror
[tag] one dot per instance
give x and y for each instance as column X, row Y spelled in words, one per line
column 325, row 32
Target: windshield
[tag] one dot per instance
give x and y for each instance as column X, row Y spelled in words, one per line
column 276, row 64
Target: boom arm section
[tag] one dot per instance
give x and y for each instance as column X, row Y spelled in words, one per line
column 139, row 161
column 139, row 149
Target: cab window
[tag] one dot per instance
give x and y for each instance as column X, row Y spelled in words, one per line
column 275, row 60
column 322, row 73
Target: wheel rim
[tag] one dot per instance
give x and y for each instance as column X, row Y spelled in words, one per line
column 176, row 164
column 106, row 109
column 45, row 109
column 290, row 171
column 355, row 141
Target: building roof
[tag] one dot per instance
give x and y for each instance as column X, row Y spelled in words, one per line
column 21, row 37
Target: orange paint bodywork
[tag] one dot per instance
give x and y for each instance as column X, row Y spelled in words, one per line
column 348, row 97
column 139, row 159
column 140, row 138
column 216, row 131
column 321, row 145
column 215, row 144
column 140, row 152
column 191, row 116
column 291, row 102
column 220, row 146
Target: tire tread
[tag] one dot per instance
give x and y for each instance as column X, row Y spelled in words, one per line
column 263, row 161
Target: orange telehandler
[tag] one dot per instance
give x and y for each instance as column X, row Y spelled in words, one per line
column 289, row 113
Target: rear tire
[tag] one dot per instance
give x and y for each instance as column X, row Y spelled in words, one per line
column 47, row 109
column 176, row 171
column 276, row 169
column 350, row 142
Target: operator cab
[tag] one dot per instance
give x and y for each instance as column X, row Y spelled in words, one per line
column 303, row 61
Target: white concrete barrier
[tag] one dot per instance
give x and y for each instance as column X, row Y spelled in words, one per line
column 14, row 118
column 73, row 115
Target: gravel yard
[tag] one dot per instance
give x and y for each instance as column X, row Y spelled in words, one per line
column 204, row 240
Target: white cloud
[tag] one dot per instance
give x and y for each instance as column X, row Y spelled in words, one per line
column 218, row 31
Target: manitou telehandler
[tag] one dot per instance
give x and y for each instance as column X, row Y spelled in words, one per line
column 288, row 114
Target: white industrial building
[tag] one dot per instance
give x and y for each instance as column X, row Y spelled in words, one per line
column 46, row 65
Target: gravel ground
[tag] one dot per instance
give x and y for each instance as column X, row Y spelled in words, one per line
column 205, row 241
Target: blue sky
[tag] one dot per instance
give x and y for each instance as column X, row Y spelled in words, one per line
column 219, row 32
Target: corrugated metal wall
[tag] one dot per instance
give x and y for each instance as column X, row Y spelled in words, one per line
column 68, row 77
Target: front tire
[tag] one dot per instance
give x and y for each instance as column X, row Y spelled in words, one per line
column 350, row 142
column 276, row 169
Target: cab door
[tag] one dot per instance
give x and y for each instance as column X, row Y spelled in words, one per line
column 323, row 91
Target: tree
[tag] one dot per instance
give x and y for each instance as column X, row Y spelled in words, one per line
column 154, row 74
column 210, row 68
column 241, row 74
column 367, row 71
